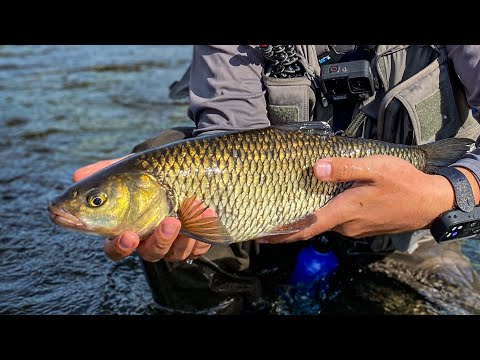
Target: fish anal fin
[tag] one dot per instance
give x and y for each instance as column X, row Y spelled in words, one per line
column 206, row 229
column 291, row 228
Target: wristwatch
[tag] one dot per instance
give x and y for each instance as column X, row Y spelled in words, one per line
column 464, row 199
column 462, row 222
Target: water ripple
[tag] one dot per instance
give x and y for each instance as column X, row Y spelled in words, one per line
column 67, row 106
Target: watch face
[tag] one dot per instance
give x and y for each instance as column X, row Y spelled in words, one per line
column 456, row 225
column 464, row 230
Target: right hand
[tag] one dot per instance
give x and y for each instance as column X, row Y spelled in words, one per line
column 165, row 242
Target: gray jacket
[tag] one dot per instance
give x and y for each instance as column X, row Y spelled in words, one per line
column 227, row 92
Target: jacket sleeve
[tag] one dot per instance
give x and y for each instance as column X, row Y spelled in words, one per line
column 466, row 61
column 226, row 91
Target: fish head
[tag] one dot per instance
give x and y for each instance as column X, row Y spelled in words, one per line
column 108, row 204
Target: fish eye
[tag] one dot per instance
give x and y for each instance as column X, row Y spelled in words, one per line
column 96, row 200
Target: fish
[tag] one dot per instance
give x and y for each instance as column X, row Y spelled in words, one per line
column 259, row 183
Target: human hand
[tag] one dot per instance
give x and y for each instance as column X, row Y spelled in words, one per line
column 388, row 196
column 88, row 170
column 164, row 242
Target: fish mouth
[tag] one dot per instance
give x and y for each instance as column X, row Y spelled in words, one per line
column 64, row 218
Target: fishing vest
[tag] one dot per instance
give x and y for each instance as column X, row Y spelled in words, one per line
column 418, row 97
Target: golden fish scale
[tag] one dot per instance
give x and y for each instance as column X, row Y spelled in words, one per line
column 259, row 179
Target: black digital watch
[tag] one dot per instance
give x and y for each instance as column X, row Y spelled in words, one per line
column 462, row 222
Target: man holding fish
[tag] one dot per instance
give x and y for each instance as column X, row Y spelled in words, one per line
column 373, row 197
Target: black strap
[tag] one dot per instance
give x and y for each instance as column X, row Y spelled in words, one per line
column 463, row 191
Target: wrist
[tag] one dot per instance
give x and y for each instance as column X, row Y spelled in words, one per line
column 443, row 196
column 473, row 183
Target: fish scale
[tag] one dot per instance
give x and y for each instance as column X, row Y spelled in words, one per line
column 255, row 175
column 259, row 182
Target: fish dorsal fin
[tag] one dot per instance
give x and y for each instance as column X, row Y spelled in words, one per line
column 307, row 127
column 209, row 229
column 291, row 228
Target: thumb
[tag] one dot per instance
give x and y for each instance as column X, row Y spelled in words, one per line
column 88, row 170
column 344, row 169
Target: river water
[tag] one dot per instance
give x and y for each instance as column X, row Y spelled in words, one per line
column 63, row 107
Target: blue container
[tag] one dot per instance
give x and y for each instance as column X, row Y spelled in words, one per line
column 313, row 267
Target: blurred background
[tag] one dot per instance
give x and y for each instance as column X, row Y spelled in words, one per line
column 63, row 107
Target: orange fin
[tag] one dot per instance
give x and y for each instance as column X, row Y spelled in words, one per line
column 291, row 228
column 209, row 229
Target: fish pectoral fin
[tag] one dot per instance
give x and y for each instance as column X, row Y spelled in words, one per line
column 208, row 229
column 296, row 226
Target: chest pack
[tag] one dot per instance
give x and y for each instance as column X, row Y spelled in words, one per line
column 416, row 97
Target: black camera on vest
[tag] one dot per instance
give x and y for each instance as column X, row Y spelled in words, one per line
column 347, row 81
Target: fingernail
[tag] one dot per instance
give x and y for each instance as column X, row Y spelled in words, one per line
column 323, row 169
column 126, row 242
column 168, row 229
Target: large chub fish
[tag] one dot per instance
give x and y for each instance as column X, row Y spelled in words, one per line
column 259, row 182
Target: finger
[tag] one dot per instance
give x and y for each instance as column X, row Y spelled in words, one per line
column 180, row 249
column 345, row 169
column 208, row 213
column 157, row 245
column 88, row 170
column 198, row 250
column 200, row 247
column 121, row 246
column 183, row 245
column 350, row 231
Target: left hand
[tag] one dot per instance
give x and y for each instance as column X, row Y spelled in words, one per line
column 164, row 242
column 388, row 196
column 91, row 169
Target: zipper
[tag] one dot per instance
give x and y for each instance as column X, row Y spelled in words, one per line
column 359, row 119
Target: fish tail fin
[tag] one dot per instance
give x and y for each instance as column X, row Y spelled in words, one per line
column 445, row 152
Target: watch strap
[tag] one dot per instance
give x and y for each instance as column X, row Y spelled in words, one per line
column 464, row 198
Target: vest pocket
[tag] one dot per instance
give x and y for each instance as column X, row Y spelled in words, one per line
column 423, row 107
column 289, row 99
